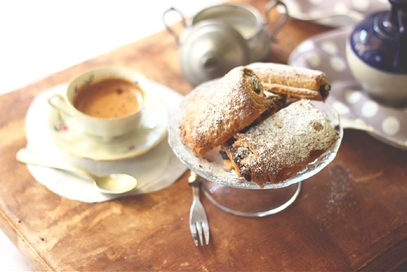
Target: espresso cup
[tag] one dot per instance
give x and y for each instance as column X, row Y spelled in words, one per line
column 107, row 102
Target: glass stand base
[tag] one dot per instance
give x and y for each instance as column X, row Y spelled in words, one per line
column 250, row 202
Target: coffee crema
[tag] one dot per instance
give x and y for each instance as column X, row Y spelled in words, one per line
column 110, row 98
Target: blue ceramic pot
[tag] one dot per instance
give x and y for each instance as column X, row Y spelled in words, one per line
column 377, row 54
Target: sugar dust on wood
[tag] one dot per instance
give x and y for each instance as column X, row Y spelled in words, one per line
column 340, row 190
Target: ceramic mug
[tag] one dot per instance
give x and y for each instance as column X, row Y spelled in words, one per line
column 98, row 100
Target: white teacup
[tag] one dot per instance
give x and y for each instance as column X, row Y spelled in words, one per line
column 108, row 102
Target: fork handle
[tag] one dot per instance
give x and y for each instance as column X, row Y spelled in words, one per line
column 194, row 182
column 195, row 190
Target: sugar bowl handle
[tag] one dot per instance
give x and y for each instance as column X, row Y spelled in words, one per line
column 169, row 29
column 269, row 6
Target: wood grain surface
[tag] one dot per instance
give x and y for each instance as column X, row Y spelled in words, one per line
column 350, row 216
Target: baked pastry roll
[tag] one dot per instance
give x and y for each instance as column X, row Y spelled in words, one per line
column 221, row 108
column 280, row 145
column 297, row 82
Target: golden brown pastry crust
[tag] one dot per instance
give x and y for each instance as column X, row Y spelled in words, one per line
column 224, row 108
column 281, row 145
column 297, row 82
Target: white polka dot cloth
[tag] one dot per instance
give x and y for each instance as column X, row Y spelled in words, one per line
column 316, row 8
column 326, row 52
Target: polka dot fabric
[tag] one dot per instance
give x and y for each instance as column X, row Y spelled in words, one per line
column 326, row 52
column 320, row 7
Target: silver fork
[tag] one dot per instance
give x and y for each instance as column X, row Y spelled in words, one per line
column 198, row 221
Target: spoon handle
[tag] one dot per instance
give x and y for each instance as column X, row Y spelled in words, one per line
column 356, row 124
column 27, row 157
column 354, row 15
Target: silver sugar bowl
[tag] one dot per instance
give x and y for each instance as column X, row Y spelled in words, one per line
column 221, row 37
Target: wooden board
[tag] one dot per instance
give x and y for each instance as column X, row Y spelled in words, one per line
column 351, row 216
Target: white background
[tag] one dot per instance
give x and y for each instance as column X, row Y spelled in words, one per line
column 39, row 38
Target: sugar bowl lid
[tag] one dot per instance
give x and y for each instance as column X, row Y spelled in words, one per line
column 210, row 49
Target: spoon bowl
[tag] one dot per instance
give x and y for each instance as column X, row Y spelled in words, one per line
column 353, row 15
column 324, row 17
column 109, row 184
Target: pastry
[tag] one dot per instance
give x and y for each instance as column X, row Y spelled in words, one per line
column 298, row 82
column 280, row 145
column 223, row 108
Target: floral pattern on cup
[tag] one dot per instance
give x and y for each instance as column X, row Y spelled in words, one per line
column 129, row 148
column 61, row 124
column 85, row 84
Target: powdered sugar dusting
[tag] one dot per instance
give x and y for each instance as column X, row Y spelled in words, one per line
column 299, row 77
column 211, row 167
column 225, row 108
column 340, row 190
column 285, row 140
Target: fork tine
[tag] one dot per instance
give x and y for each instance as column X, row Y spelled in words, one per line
column 206, row 232
column 198, row 221
column 192, row 227
column 199, row 229
column 194, row 234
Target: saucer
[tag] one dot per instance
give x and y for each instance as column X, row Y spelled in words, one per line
column 326, row 52
column 68, row 134
column 155, row 170
column 311, row 8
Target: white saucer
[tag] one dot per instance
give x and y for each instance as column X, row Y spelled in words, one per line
column 155, row 170
column 326, row 52
column 68, row 134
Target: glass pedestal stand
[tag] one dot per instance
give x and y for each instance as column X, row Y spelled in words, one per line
column 250, row 203
column 234, row 194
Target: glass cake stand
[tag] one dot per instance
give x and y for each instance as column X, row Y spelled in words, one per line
column 235, row 194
